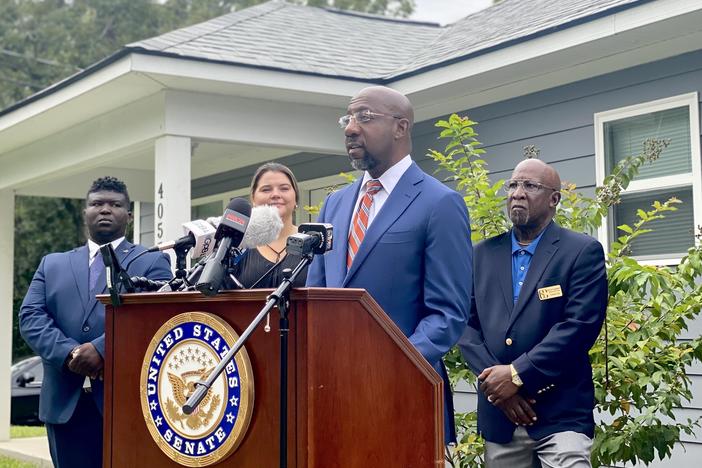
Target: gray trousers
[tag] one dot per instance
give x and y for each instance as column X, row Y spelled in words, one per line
column 559, row 450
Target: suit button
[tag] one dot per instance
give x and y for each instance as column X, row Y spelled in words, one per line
column 508, row 341
column 86, row 328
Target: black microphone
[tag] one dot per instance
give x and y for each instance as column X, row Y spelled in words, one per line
column 311, row 239
column 115, row 275
column 229, row 234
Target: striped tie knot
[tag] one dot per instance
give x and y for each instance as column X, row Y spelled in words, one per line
column 360, row 220
column 373, row 186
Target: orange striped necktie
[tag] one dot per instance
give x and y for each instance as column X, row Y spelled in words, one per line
column 360, row 220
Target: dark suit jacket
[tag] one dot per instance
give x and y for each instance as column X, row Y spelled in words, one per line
column 546, row 340
column 59, row 313
column 415, row 261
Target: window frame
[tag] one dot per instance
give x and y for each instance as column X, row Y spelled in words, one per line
column 691, row 179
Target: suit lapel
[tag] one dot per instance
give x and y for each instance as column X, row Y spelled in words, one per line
column 503, row 260
column 79, row 266
column 542, row 257
column 401, row 197
column 342, row 222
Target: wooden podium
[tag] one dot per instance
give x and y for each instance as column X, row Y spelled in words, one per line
column 360, row 395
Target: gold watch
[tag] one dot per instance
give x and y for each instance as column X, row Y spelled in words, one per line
column 516, row 380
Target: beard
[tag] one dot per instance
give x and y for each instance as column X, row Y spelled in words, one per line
column 366, row 163
column 519, row 217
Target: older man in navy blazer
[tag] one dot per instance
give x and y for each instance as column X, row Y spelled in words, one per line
column 538, row 306
column 63, row 322
column 400, row 234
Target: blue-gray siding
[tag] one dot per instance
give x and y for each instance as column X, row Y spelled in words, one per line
column 560, row 122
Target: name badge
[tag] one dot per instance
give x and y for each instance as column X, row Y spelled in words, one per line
column 550, row 292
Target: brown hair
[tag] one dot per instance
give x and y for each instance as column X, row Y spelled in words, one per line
column 275, row 167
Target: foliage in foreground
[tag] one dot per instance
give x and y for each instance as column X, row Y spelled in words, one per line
column 640, row 374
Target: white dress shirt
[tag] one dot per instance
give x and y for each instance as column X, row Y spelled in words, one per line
column 389, row 180
column 94, row 247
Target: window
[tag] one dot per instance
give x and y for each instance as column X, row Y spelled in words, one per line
column 206, row 210
column 620, row 133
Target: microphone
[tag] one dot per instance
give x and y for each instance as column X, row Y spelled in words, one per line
column 214, row 220
column 229, row 233
column 198, row 234
column 263, row 228
column 115, row 275
column 311, row 239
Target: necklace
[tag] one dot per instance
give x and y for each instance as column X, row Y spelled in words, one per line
column 523, row 244
column 276, row 252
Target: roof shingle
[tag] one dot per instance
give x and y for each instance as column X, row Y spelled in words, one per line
column 325, row 41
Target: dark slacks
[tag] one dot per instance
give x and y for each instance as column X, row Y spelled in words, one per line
column 78, row 442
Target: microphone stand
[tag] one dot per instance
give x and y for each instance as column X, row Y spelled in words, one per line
column 281, row 298
column 115, row 276
column 180, row 272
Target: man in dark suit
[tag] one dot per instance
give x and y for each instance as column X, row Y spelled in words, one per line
column 63, row 322
column 400, row 234
column 538, row 305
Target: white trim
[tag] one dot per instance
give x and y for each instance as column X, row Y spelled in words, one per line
column 7, row 235
column 660, row 183
column 136, row 222
column 322, row 182
column 79, row 87
column 693, row 178
column 273, row 85
column 660, row 260
column 305, row 186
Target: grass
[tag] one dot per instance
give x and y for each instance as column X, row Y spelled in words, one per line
column 6, row 462
column 18, row 432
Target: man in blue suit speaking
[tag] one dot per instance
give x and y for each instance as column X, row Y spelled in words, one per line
column 63, row 323
column 538, row 306
column 401, row 234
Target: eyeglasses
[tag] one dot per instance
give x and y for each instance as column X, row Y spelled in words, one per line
column 362, row 117
column 529, row 186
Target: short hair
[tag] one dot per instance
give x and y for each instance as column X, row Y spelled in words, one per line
column 275, row 167
column 110, row 184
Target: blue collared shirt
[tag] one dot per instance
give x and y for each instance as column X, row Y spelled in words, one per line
column 521, row 259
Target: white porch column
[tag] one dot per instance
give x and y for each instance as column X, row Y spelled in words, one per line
column 172, row 188
column 7, row 249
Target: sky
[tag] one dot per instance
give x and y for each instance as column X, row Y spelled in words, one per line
column 446, row 11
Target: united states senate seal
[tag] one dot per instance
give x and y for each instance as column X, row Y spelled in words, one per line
column 185, row 350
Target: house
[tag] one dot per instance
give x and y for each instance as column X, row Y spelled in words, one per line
column 185, row 118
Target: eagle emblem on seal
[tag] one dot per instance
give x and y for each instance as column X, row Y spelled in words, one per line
column 183, row 386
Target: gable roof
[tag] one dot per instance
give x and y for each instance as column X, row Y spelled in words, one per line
column 507, row 23
column 296, row 38
column 329, row 42
column 334, row 43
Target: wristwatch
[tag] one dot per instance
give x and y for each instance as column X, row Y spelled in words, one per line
column 516, row 380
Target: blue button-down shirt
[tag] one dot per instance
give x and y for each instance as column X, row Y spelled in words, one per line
column 521, row 259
